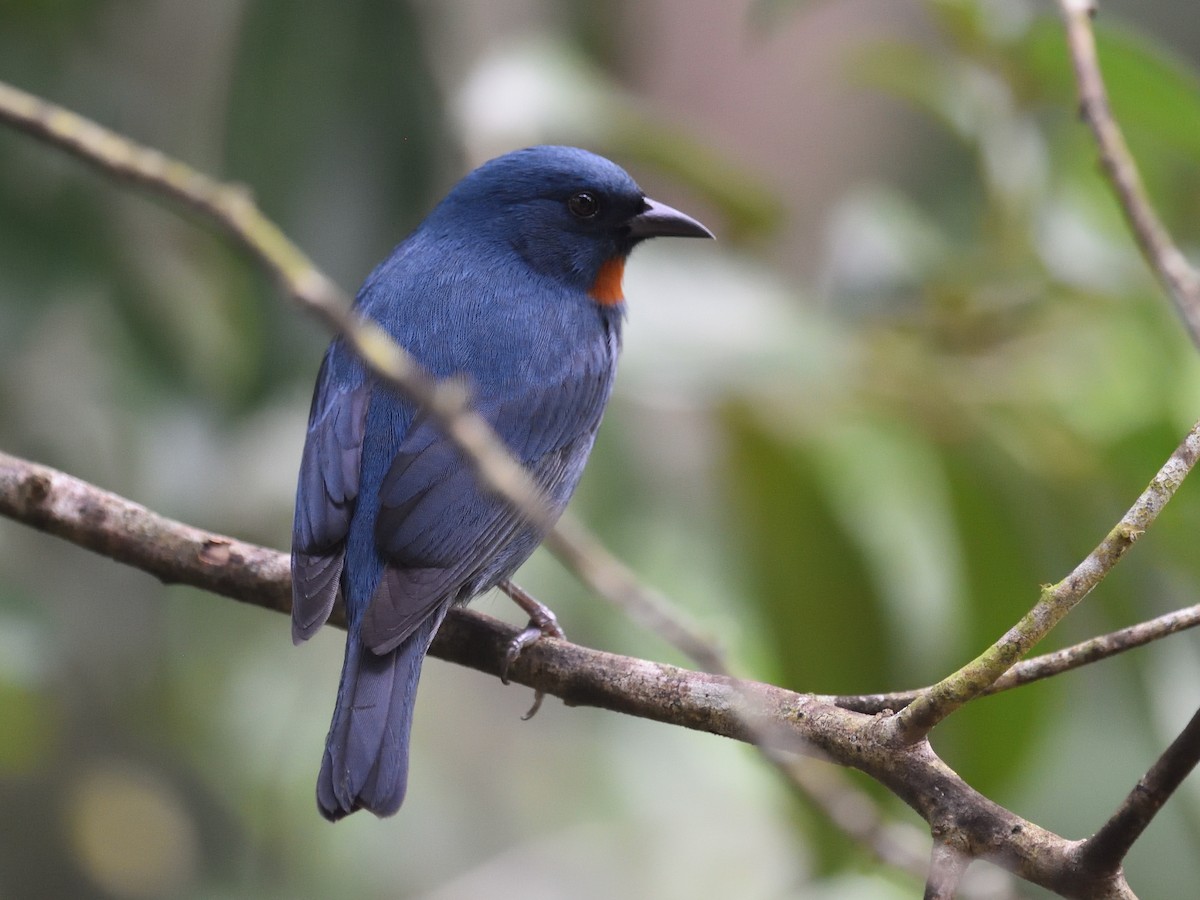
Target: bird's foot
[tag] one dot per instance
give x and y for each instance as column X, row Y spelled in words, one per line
column 542, row 623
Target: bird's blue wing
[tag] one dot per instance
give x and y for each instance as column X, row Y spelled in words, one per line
column 327, row 488
column 443, row 537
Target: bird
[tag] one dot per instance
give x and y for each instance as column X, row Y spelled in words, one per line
column 512, row 285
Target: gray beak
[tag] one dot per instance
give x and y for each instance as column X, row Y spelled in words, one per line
column 659, row 220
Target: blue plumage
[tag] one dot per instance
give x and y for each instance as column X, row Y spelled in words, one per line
column 497, row 287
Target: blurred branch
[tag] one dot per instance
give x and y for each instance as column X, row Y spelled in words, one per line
column 1030, row 670
column 744, row 710
column 596, row 567
column 1106, row 849
column 1170, row 266
column 853, row 812
column 933, row 705
column 947, row 865
column 233, row 209
column 850, row 810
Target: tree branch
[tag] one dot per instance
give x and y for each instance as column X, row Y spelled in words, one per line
column 127, row 532
column 177, row 553
column 744, row 710
column 1183, row 284
column 933, row 705
column 1167, row 261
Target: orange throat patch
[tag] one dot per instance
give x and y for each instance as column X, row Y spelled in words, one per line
column 607, row 290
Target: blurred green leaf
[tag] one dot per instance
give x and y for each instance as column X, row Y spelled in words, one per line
column 926, row 80
column 990, row 740
column 810, row 580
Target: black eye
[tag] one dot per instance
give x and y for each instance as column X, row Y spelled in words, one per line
column 583, row 205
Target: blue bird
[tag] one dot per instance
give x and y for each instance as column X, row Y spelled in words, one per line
column 513, row 285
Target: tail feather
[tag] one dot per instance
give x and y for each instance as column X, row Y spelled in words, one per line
column 366, row 754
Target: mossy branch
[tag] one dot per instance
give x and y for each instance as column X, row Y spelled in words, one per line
column 935, row 704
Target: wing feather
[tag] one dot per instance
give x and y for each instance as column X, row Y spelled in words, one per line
column 327, row 489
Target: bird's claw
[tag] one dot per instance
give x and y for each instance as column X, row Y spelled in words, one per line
column 542, row 623
column 534, row 632
column 538, row 697
column 515, row 646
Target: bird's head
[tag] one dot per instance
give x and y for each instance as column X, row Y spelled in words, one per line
column 572, row 215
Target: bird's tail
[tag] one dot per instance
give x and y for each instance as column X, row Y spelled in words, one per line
column 366, row 753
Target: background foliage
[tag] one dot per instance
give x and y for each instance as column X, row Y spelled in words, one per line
column 923, row 371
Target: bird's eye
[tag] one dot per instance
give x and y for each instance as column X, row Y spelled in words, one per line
column 583, row 205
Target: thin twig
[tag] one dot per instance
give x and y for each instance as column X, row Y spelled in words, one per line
column 1106, row 849
column 1170, row 266
column 931, row 706
column 1183, row 283
column 1047, row 665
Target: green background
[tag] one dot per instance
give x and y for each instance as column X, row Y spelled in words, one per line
column 922, row 371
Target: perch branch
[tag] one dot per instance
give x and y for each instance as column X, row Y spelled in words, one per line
column 72, row 509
